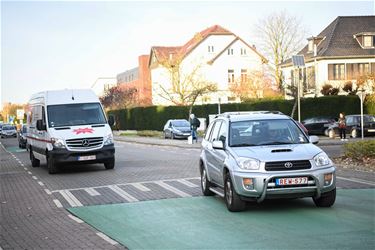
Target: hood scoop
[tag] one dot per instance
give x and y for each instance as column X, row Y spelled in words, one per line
column 281, row 150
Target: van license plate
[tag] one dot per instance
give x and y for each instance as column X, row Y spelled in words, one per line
column 291, row 181
column 86, row 157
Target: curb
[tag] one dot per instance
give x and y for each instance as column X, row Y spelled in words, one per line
column 159, row 144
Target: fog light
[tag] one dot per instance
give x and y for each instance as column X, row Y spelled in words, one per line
column 248, row 183
column 328, row 179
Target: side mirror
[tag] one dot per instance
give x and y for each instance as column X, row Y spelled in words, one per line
column 40, row 125
column 111, row 120
column 218, row 145
column 314, row 139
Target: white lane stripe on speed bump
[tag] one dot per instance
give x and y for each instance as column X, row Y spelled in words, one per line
column 70, row 198
column 92, row 192
column 141, row 187
column 122, row 193
column 47, row 191
column 58, row 203
column 187, row 183
column 356, row 180
column 106, row 238
column 76, row 219
column 172, row 189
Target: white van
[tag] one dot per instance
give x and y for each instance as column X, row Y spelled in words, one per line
column 69, row 126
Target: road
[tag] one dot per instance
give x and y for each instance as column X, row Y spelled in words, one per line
column 158, row 175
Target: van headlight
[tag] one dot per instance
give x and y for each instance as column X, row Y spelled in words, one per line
column 108, row 139
column 248, row 163
column 58, row 143
column 322, row 159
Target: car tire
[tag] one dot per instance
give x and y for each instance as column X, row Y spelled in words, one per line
column 51, row 165
column 110, row 164
column 331, row 134
column 205, row 183
column 232, row 199
column 326, row 132
column 354, row 133
column 326, row 199
column 34, row 161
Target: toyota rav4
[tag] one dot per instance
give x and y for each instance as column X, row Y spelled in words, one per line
column 253, row 156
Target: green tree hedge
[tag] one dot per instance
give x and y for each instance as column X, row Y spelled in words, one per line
column 154, row 117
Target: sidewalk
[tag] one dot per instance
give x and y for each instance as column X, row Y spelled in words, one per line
column 323, row 141
column 30, row 218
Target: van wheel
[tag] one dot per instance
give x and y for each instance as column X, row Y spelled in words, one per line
column 34, row 161
column 110, row 164
column 326, row 199
column 51, row 165
column 205, row 183
column 232, row 199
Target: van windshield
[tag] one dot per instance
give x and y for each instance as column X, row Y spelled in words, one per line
column 75, row 114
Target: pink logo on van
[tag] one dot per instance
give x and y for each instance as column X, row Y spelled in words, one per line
column 83, row 131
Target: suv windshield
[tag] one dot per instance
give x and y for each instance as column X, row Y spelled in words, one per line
column 265, row 132
column 182, row 123
column 75, row 114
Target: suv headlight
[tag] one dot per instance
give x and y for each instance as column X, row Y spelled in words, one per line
column 58, row 143
column 322, row 159
column 248, row 163
column 108, row 139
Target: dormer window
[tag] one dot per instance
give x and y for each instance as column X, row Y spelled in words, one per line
column 367, row 41
column 311, row 46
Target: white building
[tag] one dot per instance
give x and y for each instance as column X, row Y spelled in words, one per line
column 342, row 52
column 218, row 56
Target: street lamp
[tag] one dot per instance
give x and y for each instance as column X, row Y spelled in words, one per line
column 298, row 61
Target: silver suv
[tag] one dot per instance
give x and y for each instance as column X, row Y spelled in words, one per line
column 252, row 156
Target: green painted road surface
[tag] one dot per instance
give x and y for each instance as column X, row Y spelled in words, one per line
column 15, row 149
column 204, row 222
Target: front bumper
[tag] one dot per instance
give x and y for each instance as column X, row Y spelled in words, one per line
column 265, row 188
column 65, row 156
column 9, row 135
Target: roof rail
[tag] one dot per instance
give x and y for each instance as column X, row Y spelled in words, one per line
column 228, row 114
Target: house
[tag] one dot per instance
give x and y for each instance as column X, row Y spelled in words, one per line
column 342, row 52
column 214, row 55
column 139, row 79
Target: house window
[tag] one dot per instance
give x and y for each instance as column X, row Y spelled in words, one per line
column 211, row 49
column 367, row 41
column 364, row 69
column 336, row 71
column 230, row 51
column 310, row 77
column 311, row 45
column 243, row 75
column 230, row 76
column 354, row 70
column 243, row 51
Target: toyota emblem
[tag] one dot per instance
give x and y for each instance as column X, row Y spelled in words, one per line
column 85, row 143
column 288, row 164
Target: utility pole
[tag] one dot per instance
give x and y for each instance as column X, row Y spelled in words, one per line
column 298, row 61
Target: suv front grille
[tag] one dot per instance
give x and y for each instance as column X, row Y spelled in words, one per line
column 85, row 143
column 286, row 165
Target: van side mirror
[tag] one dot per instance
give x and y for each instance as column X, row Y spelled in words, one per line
column 40, row 126
column 218, row 145
column 111, row 120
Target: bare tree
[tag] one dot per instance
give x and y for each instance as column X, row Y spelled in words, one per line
column 281, row 35
column 118, row 98
column 185, row 86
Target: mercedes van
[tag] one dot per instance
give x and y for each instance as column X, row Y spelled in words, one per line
column 69, row 126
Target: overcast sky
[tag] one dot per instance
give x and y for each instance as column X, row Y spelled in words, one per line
column 56, row 45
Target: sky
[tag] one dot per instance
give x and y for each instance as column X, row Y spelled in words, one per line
column 55, row 45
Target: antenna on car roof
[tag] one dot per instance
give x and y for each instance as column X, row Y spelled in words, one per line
column 72, row 95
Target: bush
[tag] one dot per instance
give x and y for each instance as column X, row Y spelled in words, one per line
column 328, row 89
column 360, row 150
column 144, row 133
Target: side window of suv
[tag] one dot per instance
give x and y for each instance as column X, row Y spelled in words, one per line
column 215, row 131
column 223, row 133
column 208, row 131
column 350, row 120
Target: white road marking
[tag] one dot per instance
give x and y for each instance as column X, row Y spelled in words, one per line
column 141, row 187
column 106, row 238
column 25, row 168
column 70, row 198
column 29, row 172
column 34, row 177
column 92, row 191
column 58, row 203
column 76, row 219
column 40, row 183
column 122, row 193
column 187, row 183
column 47, row 191
column 356, row 180
column 172, row 189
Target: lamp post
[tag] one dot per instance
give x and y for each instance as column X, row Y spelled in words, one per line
column 298, row 61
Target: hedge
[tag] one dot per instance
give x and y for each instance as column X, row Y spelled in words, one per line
column 154, row 117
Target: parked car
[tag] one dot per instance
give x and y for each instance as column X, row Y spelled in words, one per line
column 8, row 131
column 318, row 125
column 22, row 140
column 177, row 129
column 275, row 159
column 353, row 126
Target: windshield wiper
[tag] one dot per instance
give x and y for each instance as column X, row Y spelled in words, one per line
column 243, row 145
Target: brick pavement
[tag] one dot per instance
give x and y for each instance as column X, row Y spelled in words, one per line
column 30, row 218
